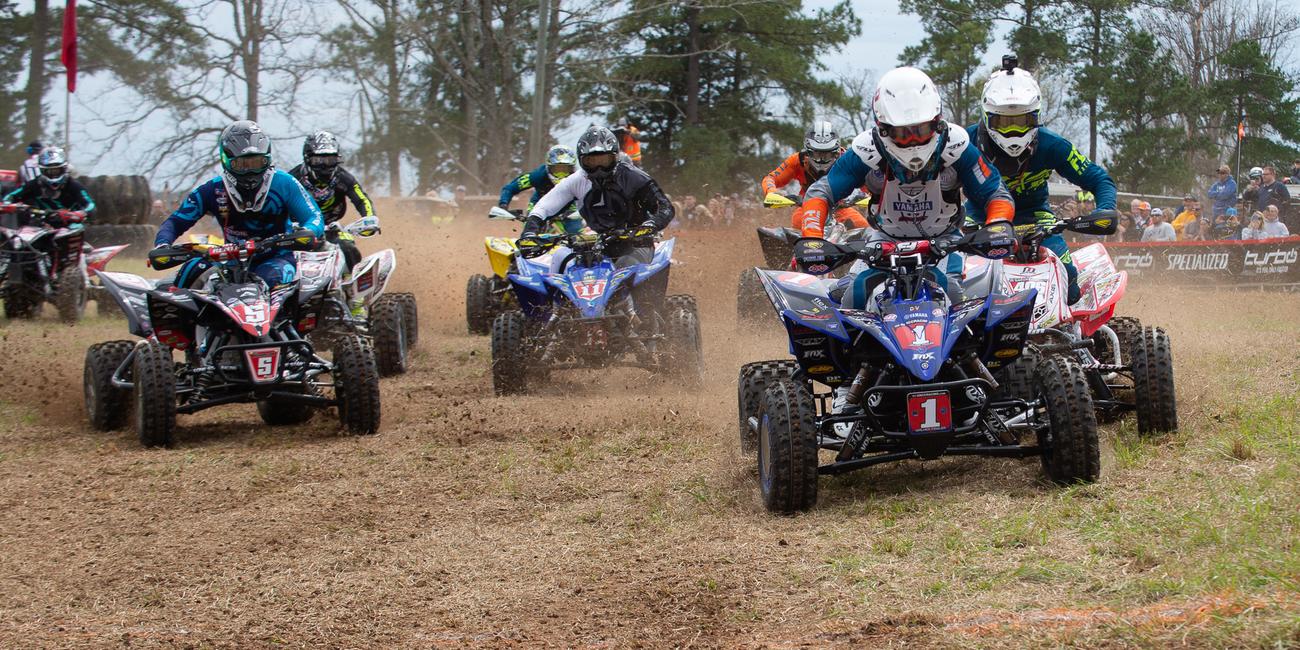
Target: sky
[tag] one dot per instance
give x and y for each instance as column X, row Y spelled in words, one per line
column 885, row 33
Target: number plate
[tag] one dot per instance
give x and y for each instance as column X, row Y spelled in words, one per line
column 929, row 412
column 263, row 364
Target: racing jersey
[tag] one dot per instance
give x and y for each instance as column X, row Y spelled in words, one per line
column 790, row 170
column 627, row 200
column 287, row 204
column 925, row 207
column 538, row 180
column 1027, row 176
column 72, row 196
column 332, row 199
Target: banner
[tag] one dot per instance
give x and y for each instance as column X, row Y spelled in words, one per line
column 69, row 55
column 1235, row 263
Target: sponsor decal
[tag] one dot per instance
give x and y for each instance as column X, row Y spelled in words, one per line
column 1197, row 262
column 590, row 289
column 910, row 208
column 1276, row 261
column 818, row 268
column 1007, row 353
column 812, row 354
column 975, row 393
column 918, row 336
column 998, row 252
column 937, row 313
column 1135, row 261
column 814, row 245
column 264, row 364
column 890, row 318
column 820, row 370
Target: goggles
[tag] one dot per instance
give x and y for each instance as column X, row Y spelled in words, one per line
column 54, row 173
column 823, row 157
column 254, row 164
column 562, row 170
column 598, row 160
column 330, row 160
column 1012, row 124
column 911, row 135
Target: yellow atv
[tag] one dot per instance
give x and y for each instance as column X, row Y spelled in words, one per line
column 485, row 296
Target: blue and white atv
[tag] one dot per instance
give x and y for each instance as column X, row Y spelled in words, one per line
column 915, row 370
column 584, row 315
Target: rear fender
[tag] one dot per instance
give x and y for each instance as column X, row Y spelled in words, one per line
column 501, row 252
column 1006, row 327
column 801, row 299
column 130, row 292
column 316, row 271
column 1048, row 278
column 173, row 313
column 530, row 286
column 370, row 277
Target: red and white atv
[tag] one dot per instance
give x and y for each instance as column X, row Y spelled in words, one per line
column 1128, row 366
column 357, row 304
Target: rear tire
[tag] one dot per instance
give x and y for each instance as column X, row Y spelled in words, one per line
column 685, row 342
column 18, row 305
column 751, row 298
column 106, row 405
column 1128, row 330
column 387, row 326
column 509, row 358
column 1153, row 382
column 71, row 297
column 155, row 394
column 479, row 313
column 1016, row 381
column 750, row 388
column 1071, row 451
column 356, row 385
column 787, row 448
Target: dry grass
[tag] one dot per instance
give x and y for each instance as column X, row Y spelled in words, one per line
column 614, row 510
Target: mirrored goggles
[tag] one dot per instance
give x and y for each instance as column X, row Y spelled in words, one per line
column 560, row 170
column 54, row 172
column 326, row 161
column 1012, row 124
column 910, row 135
column 250, row 164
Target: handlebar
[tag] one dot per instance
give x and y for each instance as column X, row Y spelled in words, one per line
column 579, row 241
column 165, row 257
column 54, row 218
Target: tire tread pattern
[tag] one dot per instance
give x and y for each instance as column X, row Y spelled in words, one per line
column 792, row 438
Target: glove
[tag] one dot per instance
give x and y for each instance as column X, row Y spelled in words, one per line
column 646, row 229
column 994, row 240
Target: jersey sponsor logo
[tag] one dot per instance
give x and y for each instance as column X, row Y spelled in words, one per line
column 1078, row 162
column 1029, row 181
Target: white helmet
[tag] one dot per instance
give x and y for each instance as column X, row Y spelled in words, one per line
column 1011, row 104
column 908, row 117
column 1255, row 172
column 821, row 146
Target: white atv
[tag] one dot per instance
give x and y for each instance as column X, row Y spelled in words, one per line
column 357, row 304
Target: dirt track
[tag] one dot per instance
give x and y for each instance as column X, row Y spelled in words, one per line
column 612, row 509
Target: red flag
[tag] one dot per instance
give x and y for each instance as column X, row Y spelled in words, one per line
column 69, row 55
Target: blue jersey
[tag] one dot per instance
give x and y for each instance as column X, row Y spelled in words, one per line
column 1053, row 153
column 286, row 204
column 538, row 180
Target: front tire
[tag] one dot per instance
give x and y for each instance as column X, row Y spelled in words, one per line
column 750, row 388
column 19, row 305
column 70, row 300
column 356, row 385
column 106, row 406
column 479, row 313
column 155, row 394
column 388, row 328
column 1153, row 382
column 509, row 358
column 1070, row 447
column 787, row 448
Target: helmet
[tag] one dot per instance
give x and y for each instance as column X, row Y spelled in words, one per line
column 246, row 167
column 621, row 126
column 821, row 146
column 598, row 152
column 1256, row 172
column 53, row 163
column 1011, row 104
column 320, row 155
column 909, row 117
column 34, row 147
column 560, row 162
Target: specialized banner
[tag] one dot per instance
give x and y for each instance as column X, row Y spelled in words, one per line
column 1251, row 262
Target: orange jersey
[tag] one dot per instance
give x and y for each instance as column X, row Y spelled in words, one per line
column 630, row 145
column 790, row 170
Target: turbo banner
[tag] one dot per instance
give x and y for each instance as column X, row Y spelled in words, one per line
column 1253, row 262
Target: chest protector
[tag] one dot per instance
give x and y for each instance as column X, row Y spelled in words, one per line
column 926, row 207
column 609, row 205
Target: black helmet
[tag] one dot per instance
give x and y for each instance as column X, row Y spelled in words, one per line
column 598, row 152
column 320, row 154
column 53, row 163
column 246, row 167
column 34, row 147
column 821, row 146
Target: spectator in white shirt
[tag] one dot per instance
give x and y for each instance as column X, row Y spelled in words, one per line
column 1272, row 226
column 30, row 169
column 1159, row 229
column 1255, row 229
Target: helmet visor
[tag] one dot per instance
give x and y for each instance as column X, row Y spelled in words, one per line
column 911, row 135
column 254, row 164
column 559, row 170
column 1012, row 124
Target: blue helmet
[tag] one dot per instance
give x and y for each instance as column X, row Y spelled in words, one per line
column 560, row 162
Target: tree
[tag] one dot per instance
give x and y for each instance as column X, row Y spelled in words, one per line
column 1268, row 97
column 708, row 74
column 11, row 22
column 952, row 51
column 1095, row 43
column 37, row 82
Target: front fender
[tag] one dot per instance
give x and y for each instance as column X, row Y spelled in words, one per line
column 801, row 299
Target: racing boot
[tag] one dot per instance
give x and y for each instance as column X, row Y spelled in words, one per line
column 840, row 406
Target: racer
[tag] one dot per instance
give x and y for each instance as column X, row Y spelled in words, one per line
column 613, row 195
column 629, row 139
column 53, row 188
column 917, row 165
column 560, row 164
column 332, row 186
column 821, row 147
column 250, row 199
column 1026, row 154
column 31, row 165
